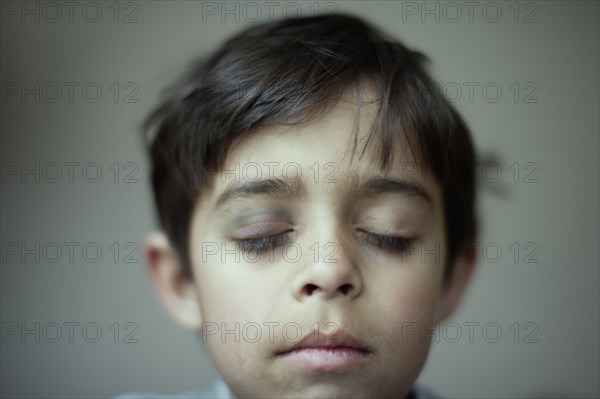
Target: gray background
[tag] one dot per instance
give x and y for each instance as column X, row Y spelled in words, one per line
column 547, row 130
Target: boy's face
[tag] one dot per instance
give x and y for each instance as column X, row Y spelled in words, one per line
column 297, row 237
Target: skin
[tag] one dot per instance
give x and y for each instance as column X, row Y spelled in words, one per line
column 378, row 295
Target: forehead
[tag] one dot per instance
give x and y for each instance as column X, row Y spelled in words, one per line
column 339, row 133
column 320, row 155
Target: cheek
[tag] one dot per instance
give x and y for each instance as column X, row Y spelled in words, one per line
column 418, row 291
column 225, row 298
column 228, row 320
column 232, row 299
column 418, row 297
column 411, row 303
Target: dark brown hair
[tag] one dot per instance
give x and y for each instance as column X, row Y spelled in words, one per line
column 281, row 73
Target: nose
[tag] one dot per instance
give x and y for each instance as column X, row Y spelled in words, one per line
column 329, row 271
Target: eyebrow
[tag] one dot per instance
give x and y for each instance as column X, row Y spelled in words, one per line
column 381, row 185
column 290, row 189
column 275, row 187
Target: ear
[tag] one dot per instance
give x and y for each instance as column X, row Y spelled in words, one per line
column 455, row 284
column 178, row 293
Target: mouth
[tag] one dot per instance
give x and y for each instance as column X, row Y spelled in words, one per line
column 322, row 352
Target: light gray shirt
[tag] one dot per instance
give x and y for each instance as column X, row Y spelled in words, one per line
column 219, row 390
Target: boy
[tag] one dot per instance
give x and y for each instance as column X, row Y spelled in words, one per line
column 317, row 197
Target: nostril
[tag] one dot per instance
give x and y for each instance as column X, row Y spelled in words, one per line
column 345, row 288
column 310, row 288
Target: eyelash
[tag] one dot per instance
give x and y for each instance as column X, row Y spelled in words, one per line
column 260, row 245
column 392, row 244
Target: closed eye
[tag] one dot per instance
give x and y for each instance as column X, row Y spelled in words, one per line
column 392, row 244
column 260, row 245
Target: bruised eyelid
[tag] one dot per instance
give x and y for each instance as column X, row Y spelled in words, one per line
column 261, row 229
column 248, row 216
column 254, row 222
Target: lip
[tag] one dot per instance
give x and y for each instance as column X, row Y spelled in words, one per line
column 328, row 352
